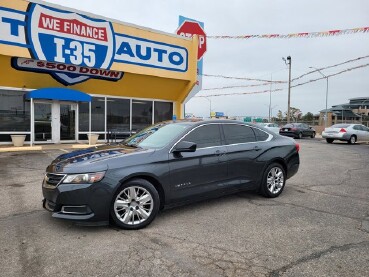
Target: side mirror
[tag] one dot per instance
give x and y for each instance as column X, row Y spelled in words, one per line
column 184, row 146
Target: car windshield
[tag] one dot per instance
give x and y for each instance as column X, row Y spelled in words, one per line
column 156, row 136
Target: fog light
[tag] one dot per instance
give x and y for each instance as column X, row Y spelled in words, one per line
column 76, row 209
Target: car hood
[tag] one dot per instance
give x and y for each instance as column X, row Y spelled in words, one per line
column 92, row 159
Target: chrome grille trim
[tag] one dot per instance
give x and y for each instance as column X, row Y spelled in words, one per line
column 52, row 180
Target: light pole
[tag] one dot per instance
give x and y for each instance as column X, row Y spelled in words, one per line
column 209, row 105
column 288, row 61
column 326, row 96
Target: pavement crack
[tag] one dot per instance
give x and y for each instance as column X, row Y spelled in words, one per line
column 320, row 211
column 12, row 216
column 329, row 193
column 317, row 255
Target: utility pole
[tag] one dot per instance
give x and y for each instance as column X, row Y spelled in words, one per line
column 289, row 61
column 270, row 96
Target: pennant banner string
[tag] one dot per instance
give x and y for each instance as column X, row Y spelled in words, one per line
column 298, row 35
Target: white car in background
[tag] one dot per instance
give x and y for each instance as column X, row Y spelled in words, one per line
column 346, row 132
column 270, row 126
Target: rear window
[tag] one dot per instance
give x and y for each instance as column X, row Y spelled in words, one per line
column 340, row 126
column 288, row 126
column 260, row 135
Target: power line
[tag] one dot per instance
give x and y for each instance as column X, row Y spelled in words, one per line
column 267, row 82
column 281, row 89
column 330, row 66
column 243, row 78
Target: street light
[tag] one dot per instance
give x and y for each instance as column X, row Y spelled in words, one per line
column 209, row 104
column 326, row 96
column 288, row 62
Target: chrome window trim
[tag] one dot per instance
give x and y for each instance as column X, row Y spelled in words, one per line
column 190, row 131
column 270, row 136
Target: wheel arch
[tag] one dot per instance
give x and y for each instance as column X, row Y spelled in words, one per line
column 278, row 160
column 158, row 186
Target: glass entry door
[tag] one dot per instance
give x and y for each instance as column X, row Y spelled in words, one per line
column 67, row 121
column 42, row 122
column 54, row 122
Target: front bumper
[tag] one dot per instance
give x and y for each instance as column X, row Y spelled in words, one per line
column 79, row 202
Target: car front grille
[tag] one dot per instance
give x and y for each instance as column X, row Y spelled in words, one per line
column 52, row 180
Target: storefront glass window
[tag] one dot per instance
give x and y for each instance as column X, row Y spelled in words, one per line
column 141, row 114
column 98, row 114
column 83, row 111
column 118, row 115
column 14, row 112
column 163, row 111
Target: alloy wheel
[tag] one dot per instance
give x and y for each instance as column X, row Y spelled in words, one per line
column 275, row 180
column 133, row 205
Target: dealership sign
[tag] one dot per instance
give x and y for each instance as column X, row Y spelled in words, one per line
column 80, row 42
column 61, row 69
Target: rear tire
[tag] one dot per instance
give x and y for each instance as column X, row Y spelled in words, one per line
column 352, row 140
column 329, row 140
column 274, row 180
column 135, row 204
column 299, row 136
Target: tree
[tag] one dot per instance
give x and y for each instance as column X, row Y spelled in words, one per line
column 308, row 117
column 280, row 115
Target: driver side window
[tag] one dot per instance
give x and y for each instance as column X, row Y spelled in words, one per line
column 205, row 136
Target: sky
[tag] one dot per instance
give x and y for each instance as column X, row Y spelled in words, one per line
column 261, row 58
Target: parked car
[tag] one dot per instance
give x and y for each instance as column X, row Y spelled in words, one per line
column 297, row 130
column 167, row 164
column 346, row 132
column 270, row 126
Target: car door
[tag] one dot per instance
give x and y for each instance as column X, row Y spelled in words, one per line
column 243, row 149
column 365, row 133
column 202, row 171
column 357, row 131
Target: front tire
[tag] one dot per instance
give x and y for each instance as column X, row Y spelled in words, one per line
column 274, row 180
column 313, row 135
column 135, row 204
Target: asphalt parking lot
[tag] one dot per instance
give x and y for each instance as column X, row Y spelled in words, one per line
column 319, row 226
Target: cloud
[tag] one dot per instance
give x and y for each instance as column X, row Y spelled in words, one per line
column 260, row 58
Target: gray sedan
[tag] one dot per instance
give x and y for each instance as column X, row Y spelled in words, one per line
column 346, row 132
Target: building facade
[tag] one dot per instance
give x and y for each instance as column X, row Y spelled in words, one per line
column 354, row 111
column 66, row 74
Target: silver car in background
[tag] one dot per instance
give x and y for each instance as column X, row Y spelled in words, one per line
column 270, row 126
column 346, row 132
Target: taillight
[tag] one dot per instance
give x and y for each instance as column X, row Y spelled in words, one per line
column 343, row 130
column 297, row 147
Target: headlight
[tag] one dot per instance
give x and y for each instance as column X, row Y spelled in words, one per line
column 83, row 178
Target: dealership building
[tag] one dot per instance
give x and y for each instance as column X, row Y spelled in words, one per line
column 65, row 74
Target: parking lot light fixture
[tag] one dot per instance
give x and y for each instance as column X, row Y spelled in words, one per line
column 326, row 96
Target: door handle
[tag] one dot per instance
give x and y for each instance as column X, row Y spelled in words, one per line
column 220, row 153
column 257, row 148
